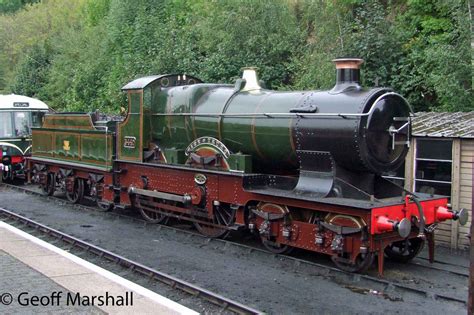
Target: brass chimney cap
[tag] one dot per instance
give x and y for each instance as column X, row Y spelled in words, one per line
column 348, row 63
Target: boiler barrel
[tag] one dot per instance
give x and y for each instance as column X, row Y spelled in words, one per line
column 359, row 140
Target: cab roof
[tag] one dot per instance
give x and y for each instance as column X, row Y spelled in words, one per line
column 20, row 102
column 166, row 80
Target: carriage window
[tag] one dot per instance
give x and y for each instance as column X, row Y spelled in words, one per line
column 6, row 125
column 22, row 123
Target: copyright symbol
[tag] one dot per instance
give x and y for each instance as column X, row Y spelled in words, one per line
column 6, row 299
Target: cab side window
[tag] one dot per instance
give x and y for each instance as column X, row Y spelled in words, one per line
column 6, row 130
column 36, row 118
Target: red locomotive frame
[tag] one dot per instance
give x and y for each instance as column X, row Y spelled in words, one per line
column 226, row 190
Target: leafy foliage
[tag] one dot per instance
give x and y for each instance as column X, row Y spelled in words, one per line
column 421, row 48
column 370, row 37
column 435, row 69
column 32, row 73
column 11, row 6
column 32, row 27
column 321, row 25
column 76, row 54
column 236, row 34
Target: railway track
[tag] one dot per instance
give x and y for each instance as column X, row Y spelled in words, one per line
column 426, row 265
column 348, row 280
column 443, row 262
column 152, row 274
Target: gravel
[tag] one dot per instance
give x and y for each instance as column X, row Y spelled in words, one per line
column 268, row 283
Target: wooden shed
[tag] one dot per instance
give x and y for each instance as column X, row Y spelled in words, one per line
column 441, row 161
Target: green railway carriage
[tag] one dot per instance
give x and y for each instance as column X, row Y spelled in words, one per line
column 18, row 114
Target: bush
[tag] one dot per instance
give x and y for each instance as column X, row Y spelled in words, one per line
column 78, row 56
column 32, row 72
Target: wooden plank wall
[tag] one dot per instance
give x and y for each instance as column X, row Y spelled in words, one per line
column 465, row 190
column 451, row 234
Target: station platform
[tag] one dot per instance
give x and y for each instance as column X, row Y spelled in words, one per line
column 39, row 278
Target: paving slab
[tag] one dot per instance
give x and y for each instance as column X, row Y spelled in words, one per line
column 37, row 277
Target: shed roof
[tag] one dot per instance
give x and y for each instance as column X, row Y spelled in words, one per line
column 446, row 125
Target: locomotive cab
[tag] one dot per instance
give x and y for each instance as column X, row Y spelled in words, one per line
column 136, row 135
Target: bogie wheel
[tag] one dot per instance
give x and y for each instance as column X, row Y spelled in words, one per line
column 224, row 216
column 50, row 186
column 404, row 251
column 77, row 192
column 148, row 210
column 267, row 241
column 277, row 248
column 104, row 206
column 361, row 264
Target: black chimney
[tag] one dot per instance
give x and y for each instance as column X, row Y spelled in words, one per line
column 347, row 74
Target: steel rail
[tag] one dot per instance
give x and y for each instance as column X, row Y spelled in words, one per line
column 298, row 261
column 443, row 262
column 151, row 273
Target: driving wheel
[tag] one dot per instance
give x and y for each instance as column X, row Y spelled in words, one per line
column 224, row 216
column 150, row 211
column 77, row 192
column 50, row 185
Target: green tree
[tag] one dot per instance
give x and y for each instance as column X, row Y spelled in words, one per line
column 435, row 71
column 33, row 25
column 321, row 24
column 11, row 6
column 370, row 36
column 235, row 34
column 32, row 72
column 421, row 48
